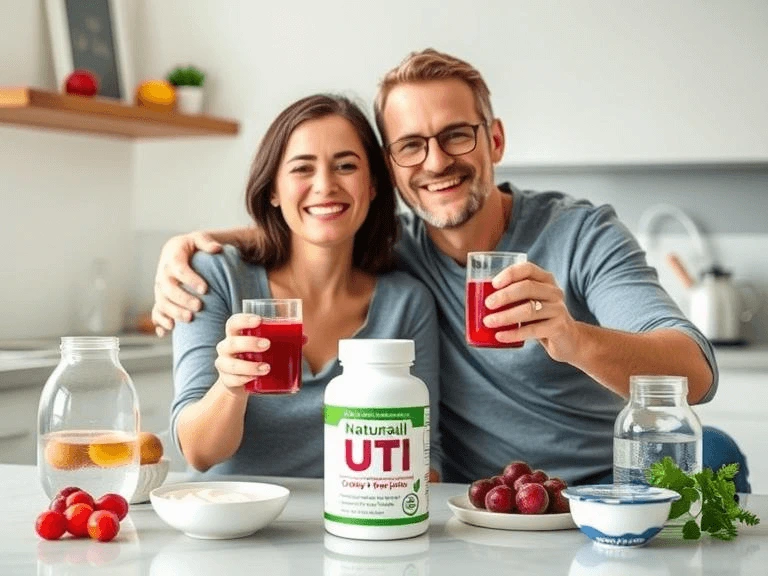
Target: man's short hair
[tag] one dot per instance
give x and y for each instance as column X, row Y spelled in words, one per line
column 427, row 65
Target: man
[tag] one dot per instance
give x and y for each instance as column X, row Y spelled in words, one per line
column 595, row 313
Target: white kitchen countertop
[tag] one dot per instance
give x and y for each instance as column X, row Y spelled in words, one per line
column 296, row 543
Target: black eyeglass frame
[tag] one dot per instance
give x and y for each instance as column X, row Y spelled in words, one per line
column 426, row 139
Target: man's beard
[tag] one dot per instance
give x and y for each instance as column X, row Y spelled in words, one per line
column 471, row 207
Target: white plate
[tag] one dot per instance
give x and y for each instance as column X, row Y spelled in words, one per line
column 467, row 513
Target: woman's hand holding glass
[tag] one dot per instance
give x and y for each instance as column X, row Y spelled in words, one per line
column 233, row 362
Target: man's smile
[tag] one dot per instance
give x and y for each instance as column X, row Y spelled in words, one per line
column 445, row 185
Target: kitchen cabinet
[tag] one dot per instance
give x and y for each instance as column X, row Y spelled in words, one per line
column 740, row 410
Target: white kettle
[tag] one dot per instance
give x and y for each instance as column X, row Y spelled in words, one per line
column 718, row 307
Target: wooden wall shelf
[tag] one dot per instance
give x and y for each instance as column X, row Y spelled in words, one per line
column 34, row 107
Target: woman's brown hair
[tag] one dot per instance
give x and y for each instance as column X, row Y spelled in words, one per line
column 374, row 240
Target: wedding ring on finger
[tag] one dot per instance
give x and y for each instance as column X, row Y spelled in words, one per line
column 536, row 305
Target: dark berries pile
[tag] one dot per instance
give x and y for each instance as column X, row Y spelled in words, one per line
column 518, row 489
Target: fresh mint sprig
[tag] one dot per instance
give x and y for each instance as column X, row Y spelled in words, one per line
column 717, row 492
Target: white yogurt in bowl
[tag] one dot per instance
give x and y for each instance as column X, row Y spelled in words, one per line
column 219, row 510
column 215, row 495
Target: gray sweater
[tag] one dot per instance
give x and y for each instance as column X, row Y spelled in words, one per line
column 283, row 435
column 499, row 405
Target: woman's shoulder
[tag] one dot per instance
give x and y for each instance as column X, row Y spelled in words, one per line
column 224, row 266
column 229, row 257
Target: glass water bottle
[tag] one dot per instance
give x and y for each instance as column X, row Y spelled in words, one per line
column 656, row 422
column 88, row 421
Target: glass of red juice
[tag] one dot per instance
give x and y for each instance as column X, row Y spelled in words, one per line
column 481, row 269
column 281, row 324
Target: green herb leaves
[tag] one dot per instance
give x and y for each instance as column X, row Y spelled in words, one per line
column 189, row 76
column 719, row 509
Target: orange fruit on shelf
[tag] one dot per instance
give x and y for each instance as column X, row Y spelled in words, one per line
column 157, row 95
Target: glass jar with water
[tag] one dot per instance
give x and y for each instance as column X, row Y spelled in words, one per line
column 656, row 422
column 88, row 421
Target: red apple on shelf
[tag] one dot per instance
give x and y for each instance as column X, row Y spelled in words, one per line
column 81, row 83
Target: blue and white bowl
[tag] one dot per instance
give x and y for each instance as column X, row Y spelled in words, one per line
column 625, row 515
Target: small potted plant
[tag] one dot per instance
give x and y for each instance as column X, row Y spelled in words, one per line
column 188, row 83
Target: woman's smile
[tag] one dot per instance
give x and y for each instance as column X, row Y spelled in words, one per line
column 327, row 210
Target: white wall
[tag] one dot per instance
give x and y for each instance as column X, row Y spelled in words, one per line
column 64, row 199
column 588, row 81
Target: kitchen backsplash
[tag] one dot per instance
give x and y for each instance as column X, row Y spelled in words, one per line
column 728, row 203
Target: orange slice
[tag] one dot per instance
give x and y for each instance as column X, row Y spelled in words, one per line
column 110, row 454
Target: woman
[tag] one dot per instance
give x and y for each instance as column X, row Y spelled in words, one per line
column 320, row 192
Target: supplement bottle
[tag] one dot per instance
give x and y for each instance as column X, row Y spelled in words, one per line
column 376, row 443
column 656, row 422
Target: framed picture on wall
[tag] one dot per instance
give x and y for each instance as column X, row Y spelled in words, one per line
column 90, row 35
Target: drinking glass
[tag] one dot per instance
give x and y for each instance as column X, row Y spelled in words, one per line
column 281, row 324
column 481, row 268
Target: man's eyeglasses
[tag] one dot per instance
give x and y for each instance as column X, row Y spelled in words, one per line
column 454, row 141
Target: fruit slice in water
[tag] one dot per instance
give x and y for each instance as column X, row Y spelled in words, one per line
column 65, row 455
column 110, row 451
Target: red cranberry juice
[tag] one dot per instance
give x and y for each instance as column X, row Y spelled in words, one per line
column 283, row 357
column 477, row 333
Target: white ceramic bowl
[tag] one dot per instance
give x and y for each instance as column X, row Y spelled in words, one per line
column 620, row 514
column 151, row 476
column 199, row 518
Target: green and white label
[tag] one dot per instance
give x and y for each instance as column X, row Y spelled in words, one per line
column 376, row 465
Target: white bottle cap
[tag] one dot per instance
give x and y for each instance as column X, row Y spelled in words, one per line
column 376, row 351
